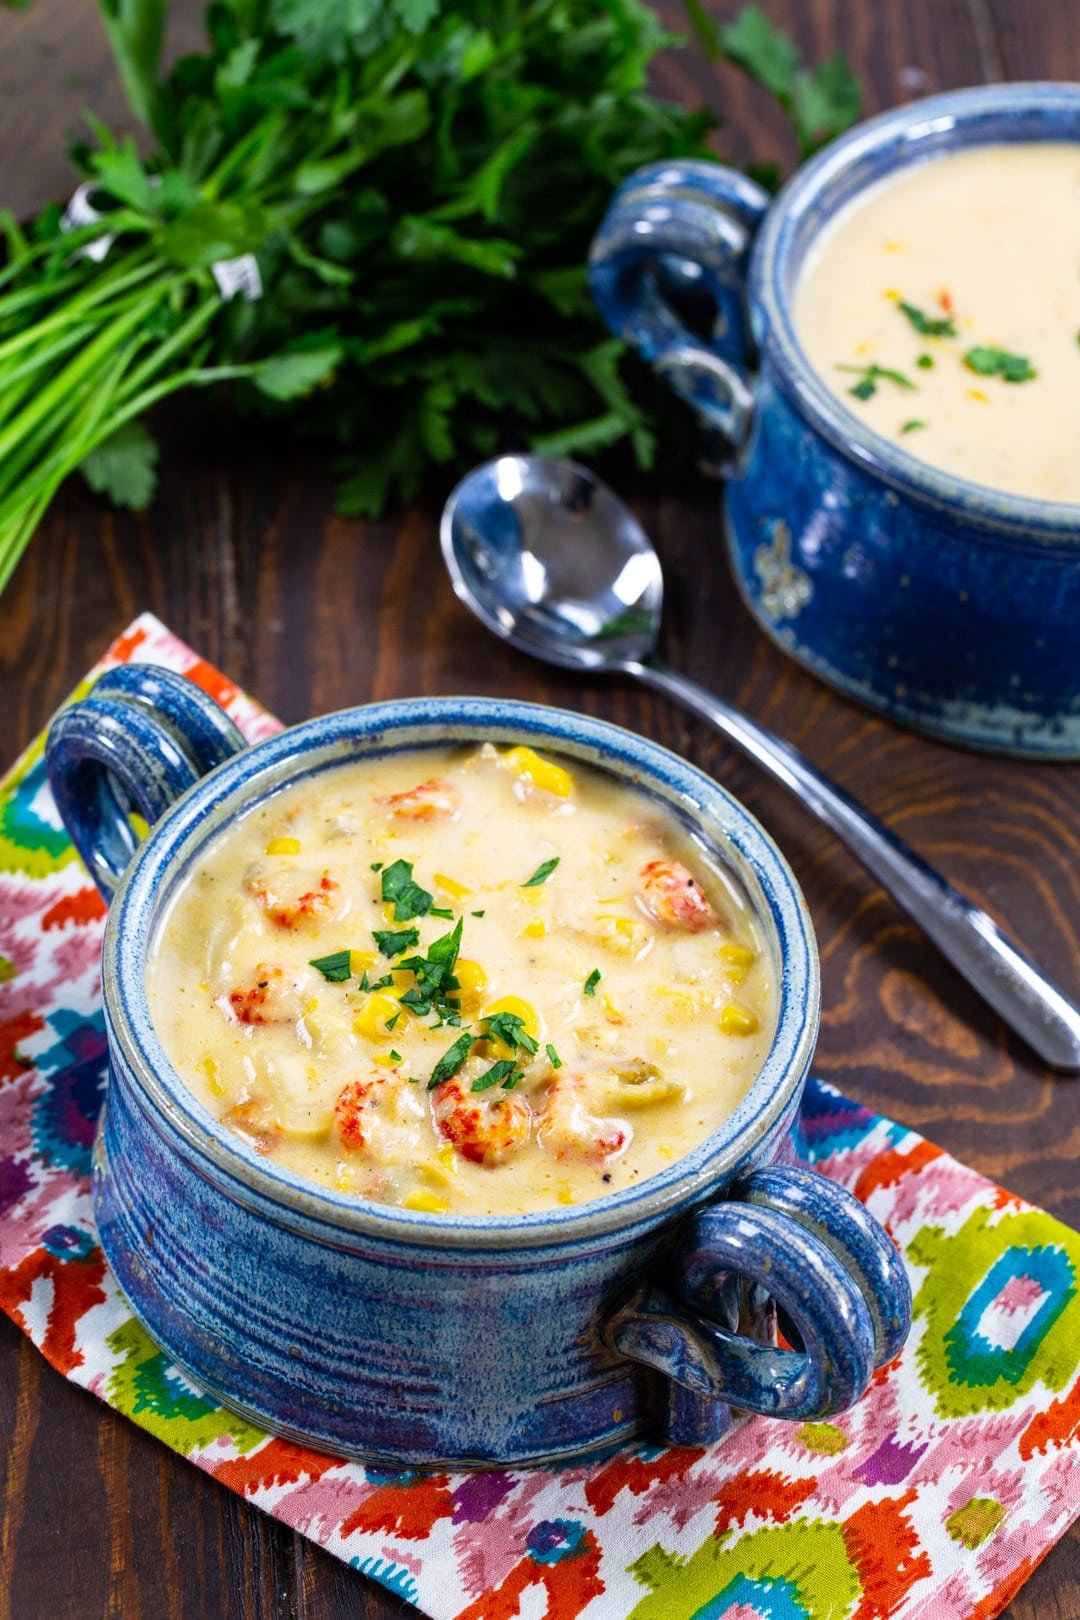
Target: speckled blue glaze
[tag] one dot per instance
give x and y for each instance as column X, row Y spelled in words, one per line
column 949, row 606
column 403, row 1337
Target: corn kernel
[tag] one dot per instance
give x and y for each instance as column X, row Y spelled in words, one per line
column 891, row 292
column 735, row 1019
column 535, row 928
column 212, row 1070
column 387, row 1059
column 565, row 1196
column 611, row 1012
column 456, row 891
column 542, row 773
column 429, row 1202
column 626, row 935
column 666, row 1152
column 376, row 1013
column 310, row 1006
column 683, row 1004
column 521, row 1009
column 473, row 982
column 436, row 1173
column 736, row 961
column 283, row 846
column 361, row 962
column 138, row 824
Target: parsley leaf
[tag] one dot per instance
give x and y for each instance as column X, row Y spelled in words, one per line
column 913, row 426
column 925, row 362
column 395, row 1055
column 498, row 1074
column 591, row 982
column 408, row 898
column 335, row 968
column 988, row 362
column 124, row 468
column 510, row 1029
column 870, row 376
column 451, row 1060
column 928, row 325
column 542, row 873
column 393, row 942
column 441, row 911
column 434, row 974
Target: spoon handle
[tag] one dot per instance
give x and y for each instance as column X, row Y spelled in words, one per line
column 1007, row 979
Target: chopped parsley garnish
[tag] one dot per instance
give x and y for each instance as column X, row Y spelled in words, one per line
column 441, row 911
column 591, row 982
column 542, row 873
column 377, row 866
column 335, row 968
column 925, row 362
column 1011, row 368
column 392, row 942
column 390, row 1022
column 870, row 376
column 395, row 1055
column 500, row 1074
column 476, row 914
column 553, row 1056
column 408, row 898
column 928, row 325
column 451, row 1060
column 913, row 426
column 510, row 1029
column 434, row 974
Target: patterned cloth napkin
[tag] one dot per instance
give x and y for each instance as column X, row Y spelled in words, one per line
column 934, row 1498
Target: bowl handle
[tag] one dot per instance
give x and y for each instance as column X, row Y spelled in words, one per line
column 788, row 1236
column 681, row 230
column 140, row 740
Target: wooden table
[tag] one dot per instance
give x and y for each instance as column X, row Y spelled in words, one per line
column 243, row 556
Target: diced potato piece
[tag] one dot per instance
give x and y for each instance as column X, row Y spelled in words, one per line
column 456, row 891
column 283, row 846
column 682, row 1003
column 473, row 982
column 430, row 1203
column 541, row 773
column 735, row 1019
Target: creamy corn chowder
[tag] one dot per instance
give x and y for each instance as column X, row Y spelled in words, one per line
column 477, row 981
column 942, row 305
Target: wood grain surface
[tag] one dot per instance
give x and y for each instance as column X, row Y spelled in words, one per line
column 243, row 556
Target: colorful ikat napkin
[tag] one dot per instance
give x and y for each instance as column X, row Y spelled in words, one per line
column 934, row 1498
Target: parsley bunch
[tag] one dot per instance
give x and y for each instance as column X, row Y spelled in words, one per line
column 418, row 181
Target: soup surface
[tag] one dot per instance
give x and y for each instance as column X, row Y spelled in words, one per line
column 474, row 981
column 943, row 307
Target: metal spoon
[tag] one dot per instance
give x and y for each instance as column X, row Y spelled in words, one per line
column 551, row 561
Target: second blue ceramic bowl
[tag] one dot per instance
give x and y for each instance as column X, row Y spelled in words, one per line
column 944, row 604
column 404, row 1337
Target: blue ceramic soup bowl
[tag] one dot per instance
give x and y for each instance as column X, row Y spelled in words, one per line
column 947, row 605
column 405, row 1337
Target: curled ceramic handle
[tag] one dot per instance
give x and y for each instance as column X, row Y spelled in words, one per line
column 824, row 1260
column 140, row 740
column 686, row 227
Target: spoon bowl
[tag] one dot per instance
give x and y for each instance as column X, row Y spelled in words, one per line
column 552, row 561
column 549, row 558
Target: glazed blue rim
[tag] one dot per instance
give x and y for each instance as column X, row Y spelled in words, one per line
column 317, row 745
column 916, row 132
